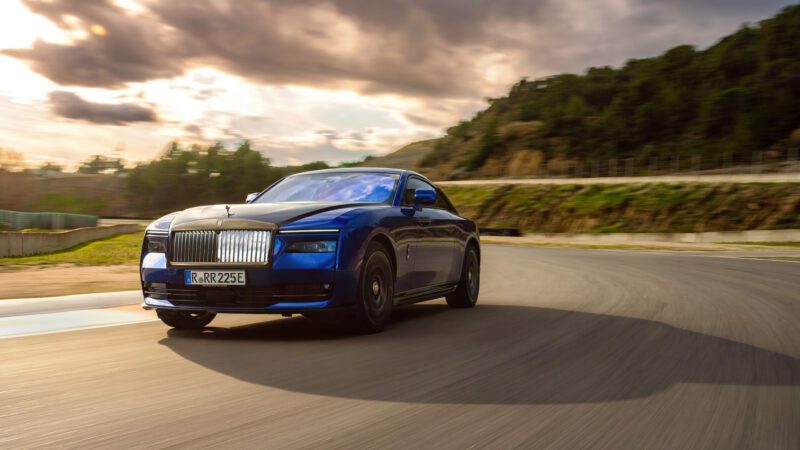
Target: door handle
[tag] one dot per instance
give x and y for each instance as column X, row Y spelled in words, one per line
column 423, row 220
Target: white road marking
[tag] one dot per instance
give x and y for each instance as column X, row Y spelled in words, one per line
column 28, row 306
column 60, row 322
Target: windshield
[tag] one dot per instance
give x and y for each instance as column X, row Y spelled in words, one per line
column 352, row 187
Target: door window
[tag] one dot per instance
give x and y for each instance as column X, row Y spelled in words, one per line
column 412, row 185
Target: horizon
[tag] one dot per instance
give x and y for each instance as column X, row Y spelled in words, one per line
column 323, row 81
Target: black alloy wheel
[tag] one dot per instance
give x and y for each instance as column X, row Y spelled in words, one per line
column 376, row 290
column 466, row 294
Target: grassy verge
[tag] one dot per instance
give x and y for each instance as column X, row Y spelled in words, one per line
column 770, row 244
column 774, row 258
column 631, row 208
column 665, row 246
column 118, row 250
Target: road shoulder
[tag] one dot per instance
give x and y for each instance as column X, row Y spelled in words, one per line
column 66, row 280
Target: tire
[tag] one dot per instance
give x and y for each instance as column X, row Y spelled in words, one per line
column 466, row 294
column 375, row 291
column 186, row 320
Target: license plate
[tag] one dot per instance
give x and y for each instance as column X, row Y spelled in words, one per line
column 214, row 277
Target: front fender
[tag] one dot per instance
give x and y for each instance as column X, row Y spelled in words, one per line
column 355, row 242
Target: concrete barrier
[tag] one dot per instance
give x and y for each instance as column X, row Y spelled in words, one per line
column 687, row 238
column 16, row 220
column 27, row 244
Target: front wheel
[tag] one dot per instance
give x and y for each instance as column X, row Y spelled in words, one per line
column 185, row 320
column 466, row 294
column 376, row 291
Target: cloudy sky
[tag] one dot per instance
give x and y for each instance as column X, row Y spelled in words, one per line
column 304, row 80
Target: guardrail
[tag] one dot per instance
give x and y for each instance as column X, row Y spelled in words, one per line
column 14, row 243
column 16, row 220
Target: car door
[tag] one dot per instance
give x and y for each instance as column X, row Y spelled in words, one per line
column 434, row 248
column 448, row 220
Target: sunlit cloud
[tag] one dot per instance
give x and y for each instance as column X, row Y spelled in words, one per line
column 317, row 79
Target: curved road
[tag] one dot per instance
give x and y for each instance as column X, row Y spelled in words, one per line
column 567, row 349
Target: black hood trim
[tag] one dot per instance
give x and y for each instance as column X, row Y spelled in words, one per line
column 322, row 210
column 225, row 224
column 253, row 215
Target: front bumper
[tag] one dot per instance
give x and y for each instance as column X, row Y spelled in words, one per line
column 268, row 290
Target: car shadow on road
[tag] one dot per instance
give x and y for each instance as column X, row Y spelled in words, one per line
column 492, row 354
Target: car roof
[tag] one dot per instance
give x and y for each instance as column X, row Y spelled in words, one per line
column 360, row 169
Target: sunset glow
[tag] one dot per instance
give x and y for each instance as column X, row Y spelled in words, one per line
column 329, row 82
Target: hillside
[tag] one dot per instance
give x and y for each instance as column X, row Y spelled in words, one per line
column 631, row 208
column 408, row 157
column 687, row 109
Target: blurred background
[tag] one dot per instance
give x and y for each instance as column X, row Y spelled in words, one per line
column 134, row 109
column 665, row 131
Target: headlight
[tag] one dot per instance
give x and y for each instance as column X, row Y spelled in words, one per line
column 155, row 242
column 312, row 247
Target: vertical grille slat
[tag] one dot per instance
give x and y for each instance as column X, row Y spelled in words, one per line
column 226, row 246
column 239, row 246
column 212, row 248
column 179, row 246
column 251, row 250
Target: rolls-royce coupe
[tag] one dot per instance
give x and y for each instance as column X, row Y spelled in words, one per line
column 347, row 245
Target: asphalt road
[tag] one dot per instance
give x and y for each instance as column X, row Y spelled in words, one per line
column 567, row 349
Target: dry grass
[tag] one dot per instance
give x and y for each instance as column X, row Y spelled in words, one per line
column 631, row 208
column 118, row 250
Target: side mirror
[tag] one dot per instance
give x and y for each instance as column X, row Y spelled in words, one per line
column 424, row 197
column 251, row 197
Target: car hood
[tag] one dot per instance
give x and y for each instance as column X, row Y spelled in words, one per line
column 278, row 213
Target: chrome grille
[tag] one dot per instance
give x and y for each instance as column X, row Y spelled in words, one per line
column 226, row 246
column 194, row 246
column 243, row 246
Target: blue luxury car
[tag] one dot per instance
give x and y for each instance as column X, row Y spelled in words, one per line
column 342, row 244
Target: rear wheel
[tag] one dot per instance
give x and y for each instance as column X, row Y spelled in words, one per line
column 185, row 320
column 466, row 294
column 376, row 291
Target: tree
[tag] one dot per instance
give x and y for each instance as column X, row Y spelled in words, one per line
column 181, row 177
column 739, row 95
column 52, row 167
column 100, row 164
column 10, row 160
column 487, row 144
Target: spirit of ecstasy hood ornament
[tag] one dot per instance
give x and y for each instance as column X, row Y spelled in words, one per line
column 228, row 211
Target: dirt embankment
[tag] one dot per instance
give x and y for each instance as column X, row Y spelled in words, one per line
column 66, row 280
column 631, row 208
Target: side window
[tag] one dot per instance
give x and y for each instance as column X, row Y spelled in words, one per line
column 412, row 185
column 443, row 202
